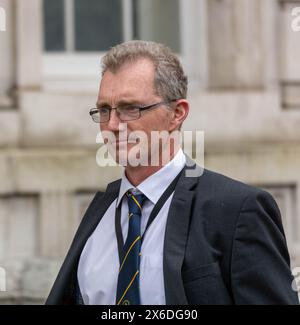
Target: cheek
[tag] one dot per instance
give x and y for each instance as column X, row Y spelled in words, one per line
column 158, row 122
column 103, row 127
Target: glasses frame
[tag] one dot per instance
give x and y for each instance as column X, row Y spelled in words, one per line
column 140, row 108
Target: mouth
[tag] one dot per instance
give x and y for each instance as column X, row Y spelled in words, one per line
column 111, row 141
column 123, row 141
column 118, row 143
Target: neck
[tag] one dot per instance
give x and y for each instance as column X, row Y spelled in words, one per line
column 138, row 174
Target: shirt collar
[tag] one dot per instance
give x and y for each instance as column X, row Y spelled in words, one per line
column 154, row 186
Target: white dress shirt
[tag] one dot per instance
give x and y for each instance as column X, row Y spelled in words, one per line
column 99, row 261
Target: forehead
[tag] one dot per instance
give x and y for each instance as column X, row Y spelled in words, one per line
column 131, row 77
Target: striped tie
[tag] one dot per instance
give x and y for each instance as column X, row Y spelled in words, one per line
column 128, row 279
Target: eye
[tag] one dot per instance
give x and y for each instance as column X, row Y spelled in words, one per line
column 104, row 109
column 128, row 108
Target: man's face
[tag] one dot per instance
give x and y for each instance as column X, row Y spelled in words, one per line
column 133, row 84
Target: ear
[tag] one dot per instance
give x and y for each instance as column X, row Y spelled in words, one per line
column 180, row 112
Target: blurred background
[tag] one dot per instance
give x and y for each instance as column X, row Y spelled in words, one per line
column 242, row 59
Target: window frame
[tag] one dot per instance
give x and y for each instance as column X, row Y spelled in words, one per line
column 81, row 70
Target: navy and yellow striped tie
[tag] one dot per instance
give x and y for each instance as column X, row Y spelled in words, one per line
column 128, row 280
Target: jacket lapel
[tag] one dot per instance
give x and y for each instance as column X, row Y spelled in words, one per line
column 176, row 237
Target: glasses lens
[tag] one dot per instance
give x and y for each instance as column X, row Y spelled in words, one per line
column 128, row 112
column 95, row 115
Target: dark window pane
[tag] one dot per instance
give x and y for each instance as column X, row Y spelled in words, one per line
column 98, row 24
column 54, row 36
column 157, row 20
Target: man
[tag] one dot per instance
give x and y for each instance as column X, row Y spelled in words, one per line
column 158, row 236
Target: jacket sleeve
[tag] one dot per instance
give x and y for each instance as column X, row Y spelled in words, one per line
column 260, row 263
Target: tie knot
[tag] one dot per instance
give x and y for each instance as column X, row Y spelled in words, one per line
column 135, row 202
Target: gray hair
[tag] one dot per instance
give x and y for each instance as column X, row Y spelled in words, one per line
column 170, row 82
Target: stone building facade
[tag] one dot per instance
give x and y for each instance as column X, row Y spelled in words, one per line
column 242, row 59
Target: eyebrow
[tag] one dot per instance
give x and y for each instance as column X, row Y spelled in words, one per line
column 99, row 105
column 121, row 102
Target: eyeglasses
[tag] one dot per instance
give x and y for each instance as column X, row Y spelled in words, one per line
column 124, row 112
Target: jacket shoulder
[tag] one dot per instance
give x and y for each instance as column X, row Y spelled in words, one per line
column 225, row 186
column 221, row 197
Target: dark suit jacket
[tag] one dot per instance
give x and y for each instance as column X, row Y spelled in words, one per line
column 224, row 244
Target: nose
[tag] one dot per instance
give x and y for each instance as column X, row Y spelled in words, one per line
column 114, row 121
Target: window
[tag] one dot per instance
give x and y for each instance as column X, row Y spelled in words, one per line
column 289, row 46
column 285, row 197
column 54, row 38
column 96, row 25
column 78, row 32
column 18, row 222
